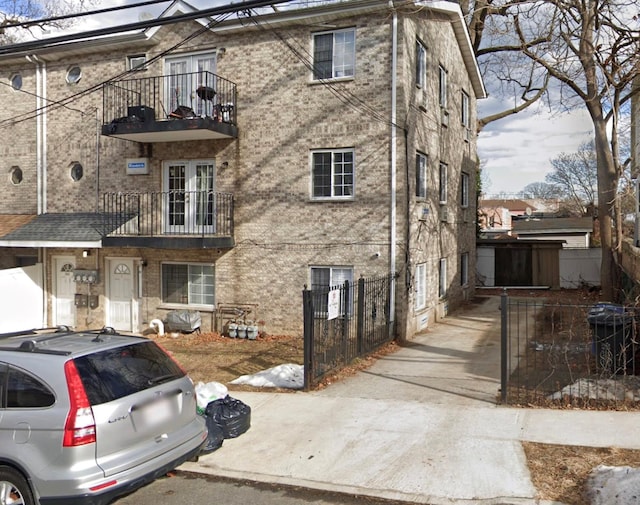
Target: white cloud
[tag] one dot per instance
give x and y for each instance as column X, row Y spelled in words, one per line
column 517, row 150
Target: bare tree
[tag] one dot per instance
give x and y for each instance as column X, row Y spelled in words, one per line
column 18, row 16
column 576, row 174
column 542, row 190
column 591, row 50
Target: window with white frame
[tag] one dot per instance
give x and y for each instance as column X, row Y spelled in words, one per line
column 464, row 190
column 334, row 54
column 332, row 174
column 464, row 269
column 421, row 286
column 421, row 65
column 442, row 86
column 442, row 282
column 136, row 62
column 421, row 175
column 325, row 277
column 188, row 284
column 464, row 110
column 443, row 183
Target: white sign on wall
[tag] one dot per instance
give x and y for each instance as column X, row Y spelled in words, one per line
column 333, row 305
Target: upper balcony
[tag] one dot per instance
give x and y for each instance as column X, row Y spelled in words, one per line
column 170, row 108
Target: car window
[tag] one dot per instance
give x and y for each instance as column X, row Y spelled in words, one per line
column 25, row 391
column 115, row 373
column 3, row 383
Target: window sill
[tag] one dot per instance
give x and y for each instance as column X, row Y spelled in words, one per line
column 332, row 199
column 315, row 82
column 180, row 306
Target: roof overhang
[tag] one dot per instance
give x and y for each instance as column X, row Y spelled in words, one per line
column 79, row 230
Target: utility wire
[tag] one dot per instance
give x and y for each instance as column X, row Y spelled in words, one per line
column 338, row 90
column 53, row 19
column 140, row 25
column 70, row 99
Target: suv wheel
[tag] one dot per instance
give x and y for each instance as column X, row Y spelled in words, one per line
column 14, row 489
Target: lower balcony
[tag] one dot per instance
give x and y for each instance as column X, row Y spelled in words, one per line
column 168, row 220
column 170, row 108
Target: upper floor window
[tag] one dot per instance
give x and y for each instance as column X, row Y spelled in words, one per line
column 74, row 74
column 464, row 190
column 464, row 110
column 16, row 81
column 421, row 65
column 421, row 175
column 136, row 62
column 443, row 183
column 334, row 54
column 421, row 286
column 188, row 284
column 332, row 174
column 442, row 86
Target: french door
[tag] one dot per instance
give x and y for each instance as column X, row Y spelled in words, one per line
column 191, row 83
column 189, row 197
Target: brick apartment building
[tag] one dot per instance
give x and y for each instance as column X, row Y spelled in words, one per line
column 212, row 162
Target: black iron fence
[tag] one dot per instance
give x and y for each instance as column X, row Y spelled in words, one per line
column 162, row 213
column 577, row 355
column 344, row 322
column 193, row 94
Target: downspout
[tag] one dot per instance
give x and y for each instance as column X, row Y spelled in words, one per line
column 393, row 201
column 41, row 158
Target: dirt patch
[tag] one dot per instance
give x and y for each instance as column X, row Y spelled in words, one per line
column 210, row 357
column 560, row 472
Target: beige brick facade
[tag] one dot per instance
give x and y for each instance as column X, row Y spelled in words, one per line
column 282, row 117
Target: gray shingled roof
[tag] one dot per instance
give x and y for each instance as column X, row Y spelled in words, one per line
column 570, row 224
column 60, row 230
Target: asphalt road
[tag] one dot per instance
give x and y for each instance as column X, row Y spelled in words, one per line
column 181, row 488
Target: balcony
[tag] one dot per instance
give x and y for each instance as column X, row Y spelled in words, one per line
column 170, row 108
column 168, row 220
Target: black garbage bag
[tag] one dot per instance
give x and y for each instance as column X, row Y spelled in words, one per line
column 230, row 414
column 215, row 437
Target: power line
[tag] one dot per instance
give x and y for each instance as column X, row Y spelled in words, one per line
column 140, row 25
column 70, row 99
column 53, row 19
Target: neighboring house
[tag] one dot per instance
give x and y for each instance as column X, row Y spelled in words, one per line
column 575, row 231
column 496, row 216
column 233, row 162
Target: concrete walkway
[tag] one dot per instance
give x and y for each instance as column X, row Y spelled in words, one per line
column 420, row 425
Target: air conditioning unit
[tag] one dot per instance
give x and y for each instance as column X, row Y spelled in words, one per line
column 444, row 117
column 444, row 214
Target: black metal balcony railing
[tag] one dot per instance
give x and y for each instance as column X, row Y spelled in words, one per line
column 149, row 103
column 168, row 214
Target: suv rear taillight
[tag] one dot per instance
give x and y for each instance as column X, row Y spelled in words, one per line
column 80, row 426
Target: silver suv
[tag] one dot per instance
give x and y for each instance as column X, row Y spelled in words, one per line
column 88, row 416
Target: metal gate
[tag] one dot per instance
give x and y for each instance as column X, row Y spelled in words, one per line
column 363, row 324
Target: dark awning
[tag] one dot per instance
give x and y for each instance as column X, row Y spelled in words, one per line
column 59, row 230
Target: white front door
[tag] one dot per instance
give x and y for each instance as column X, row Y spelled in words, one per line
column 122, row 314
column 190, row 201
column 64, row 310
